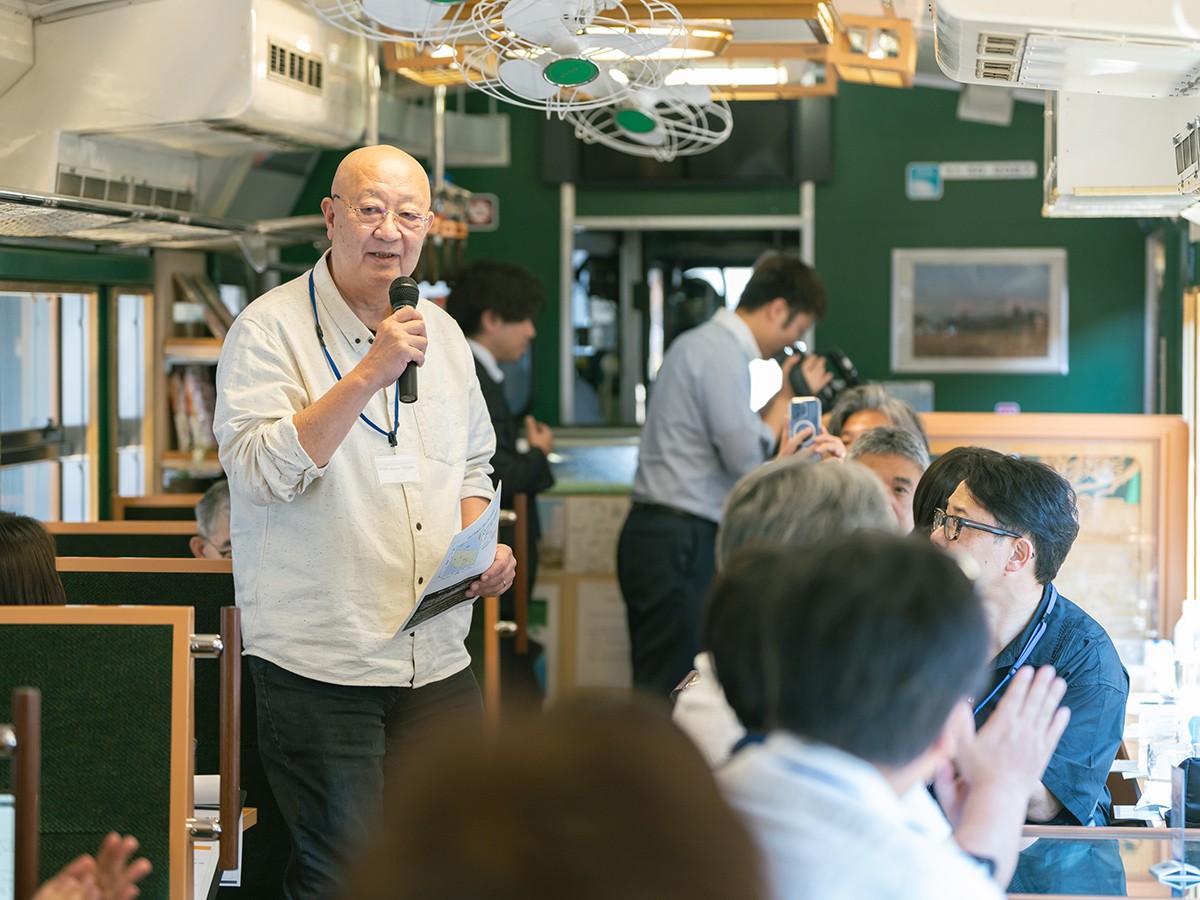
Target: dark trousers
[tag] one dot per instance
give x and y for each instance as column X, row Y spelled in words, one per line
column 325, row 748
column 665, row 564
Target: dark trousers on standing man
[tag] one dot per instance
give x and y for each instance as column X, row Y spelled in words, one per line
column 665, row 564
column 325, row 748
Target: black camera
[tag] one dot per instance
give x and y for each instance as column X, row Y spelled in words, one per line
column 839, row 365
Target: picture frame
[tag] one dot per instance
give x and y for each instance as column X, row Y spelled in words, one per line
column 979, row 310
column 1129, row 566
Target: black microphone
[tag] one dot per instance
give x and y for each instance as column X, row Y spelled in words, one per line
column 404, row 292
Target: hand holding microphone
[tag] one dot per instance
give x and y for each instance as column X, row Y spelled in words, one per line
column 404, row 292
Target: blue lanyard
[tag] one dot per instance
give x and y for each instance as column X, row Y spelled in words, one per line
column 1025, row 651
column 390, row 435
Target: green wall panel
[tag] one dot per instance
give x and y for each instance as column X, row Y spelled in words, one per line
column 864, row 214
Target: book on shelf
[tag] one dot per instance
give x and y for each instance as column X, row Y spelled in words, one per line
column 192, row 392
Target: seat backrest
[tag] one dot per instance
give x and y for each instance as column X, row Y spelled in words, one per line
column 128, row 538
column 179, row 507
column 206, row 585
column 116, row 729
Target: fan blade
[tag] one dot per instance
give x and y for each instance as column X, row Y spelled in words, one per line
column 538, row 22
column 604, row 86
column 414, row 16
column 524, row 78
column 631, row 43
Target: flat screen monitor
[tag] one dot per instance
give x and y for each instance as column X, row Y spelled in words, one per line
column 773, row 142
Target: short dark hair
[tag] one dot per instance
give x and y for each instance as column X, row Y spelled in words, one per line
column 1028, row 497
column 939, row 482
column 783, row 275
column 872, row 396
column 28, row 574
column 866, row 641
column 510, row 291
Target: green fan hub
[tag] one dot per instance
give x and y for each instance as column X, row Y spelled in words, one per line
column 571, row 71
column 634, row 121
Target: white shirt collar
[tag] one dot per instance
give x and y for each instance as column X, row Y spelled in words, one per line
column 487, row 360
column 740, row 330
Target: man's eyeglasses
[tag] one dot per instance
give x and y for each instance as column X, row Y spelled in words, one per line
column 952, row 526
column 374, row 216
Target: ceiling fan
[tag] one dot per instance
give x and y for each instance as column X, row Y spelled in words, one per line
column 579, row 54
column 659, row 122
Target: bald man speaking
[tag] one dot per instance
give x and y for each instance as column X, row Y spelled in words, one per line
column 344, row 500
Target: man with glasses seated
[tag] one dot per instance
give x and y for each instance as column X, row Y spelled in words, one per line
column 1016, row 520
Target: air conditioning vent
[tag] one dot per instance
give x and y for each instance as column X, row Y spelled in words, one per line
column 999, row 45
column 996, row 70
column 72, row 183
column 289, row 65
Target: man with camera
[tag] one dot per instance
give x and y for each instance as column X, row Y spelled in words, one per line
column 700, row 436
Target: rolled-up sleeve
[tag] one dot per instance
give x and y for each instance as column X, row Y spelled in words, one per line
column 259, row 390
column 1078, row 770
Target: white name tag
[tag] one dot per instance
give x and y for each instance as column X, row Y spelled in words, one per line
column 399, row 468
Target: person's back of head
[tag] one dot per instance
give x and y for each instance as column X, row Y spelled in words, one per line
column 510, row 291
column 940, row 480
column 28, row 574
column 593, row 800
column 784, row 275
column 795, row 501
column 790, row 503
column 1031, row 498
column 212, row 523
column 869, row 640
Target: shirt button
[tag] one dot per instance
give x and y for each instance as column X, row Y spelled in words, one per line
column 418, row 526
column 421, row 580
column 358, row 340
column 370, row 340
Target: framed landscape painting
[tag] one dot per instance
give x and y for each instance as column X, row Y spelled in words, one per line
column 990, row 310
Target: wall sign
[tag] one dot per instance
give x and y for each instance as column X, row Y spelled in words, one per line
column 483, row 212
column 925, row 180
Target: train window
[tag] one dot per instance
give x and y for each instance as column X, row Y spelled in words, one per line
column 47, row 403
column 132, row 310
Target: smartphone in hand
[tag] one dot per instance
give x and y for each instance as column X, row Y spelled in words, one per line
column 805, row 410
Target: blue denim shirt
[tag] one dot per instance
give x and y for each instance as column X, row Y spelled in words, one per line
column 1097, row 688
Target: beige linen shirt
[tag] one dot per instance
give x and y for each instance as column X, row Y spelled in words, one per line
column 328, row 562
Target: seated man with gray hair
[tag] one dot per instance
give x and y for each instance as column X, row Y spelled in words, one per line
column 899, row 458
column 212, row 524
